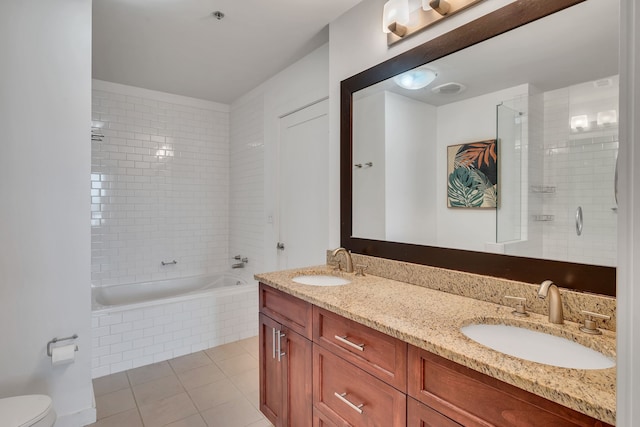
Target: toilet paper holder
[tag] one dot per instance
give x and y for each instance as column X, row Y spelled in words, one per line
column 55, row 340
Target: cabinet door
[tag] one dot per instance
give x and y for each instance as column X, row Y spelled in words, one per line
column 419, row 415
column 295, row 361
column 271, row 385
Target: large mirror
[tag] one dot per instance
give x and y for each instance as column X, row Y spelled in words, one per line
column 504, row 163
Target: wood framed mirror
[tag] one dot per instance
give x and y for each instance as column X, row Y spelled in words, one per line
column 573, row 275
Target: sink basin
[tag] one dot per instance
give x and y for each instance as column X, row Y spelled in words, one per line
column 537, row 346
column 321, row 280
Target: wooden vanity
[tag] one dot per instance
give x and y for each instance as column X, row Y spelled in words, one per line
column 318, row 368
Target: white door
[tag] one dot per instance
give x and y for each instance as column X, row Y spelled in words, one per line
column 303, row 217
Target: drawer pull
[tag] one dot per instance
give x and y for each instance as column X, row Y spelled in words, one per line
column 341, row 396
column 344, row 340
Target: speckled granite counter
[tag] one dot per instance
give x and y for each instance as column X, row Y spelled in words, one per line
column 431, row 320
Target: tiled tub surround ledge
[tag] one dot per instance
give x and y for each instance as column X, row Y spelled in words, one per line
column 431, row 320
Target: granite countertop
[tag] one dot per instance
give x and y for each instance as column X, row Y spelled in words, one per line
column 432, row 319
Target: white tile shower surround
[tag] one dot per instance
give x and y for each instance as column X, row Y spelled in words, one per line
column 246, row 195
column 581, row 166
column 138, row 337
column 159, row 185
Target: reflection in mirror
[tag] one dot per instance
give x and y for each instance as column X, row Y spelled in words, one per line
column 548, row 93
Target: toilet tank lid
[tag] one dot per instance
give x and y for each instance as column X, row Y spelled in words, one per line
column 22, row 411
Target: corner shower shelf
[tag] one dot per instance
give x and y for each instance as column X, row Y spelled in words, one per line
column 543, row 189
column 543, row 217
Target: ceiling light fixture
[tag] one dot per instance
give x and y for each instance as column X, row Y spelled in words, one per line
column 415, row 79
column 398, row 23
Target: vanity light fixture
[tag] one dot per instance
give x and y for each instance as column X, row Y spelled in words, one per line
column 399, row 23
column 607, row 118
column 395, row 17
column 580, row 123
column 415, row 79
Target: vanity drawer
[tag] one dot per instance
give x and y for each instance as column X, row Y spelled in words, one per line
column 290, row 311
column 379, row 354
column 420, row 415
column 347, row 395
column 474, row 399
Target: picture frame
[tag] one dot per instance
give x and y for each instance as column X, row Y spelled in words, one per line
column 472, row 175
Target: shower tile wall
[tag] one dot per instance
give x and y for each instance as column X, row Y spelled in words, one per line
column 580, row 165
column 159, row 185
column 246, row 224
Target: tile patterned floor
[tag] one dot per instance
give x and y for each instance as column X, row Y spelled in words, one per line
column 217, row 387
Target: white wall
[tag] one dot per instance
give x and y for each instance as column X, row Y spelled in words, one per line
column 628, row 294
column 369, row 195
column 45, row 106
column 254, row 134
column 159, row 185
column 479, row 116
column 411, row 140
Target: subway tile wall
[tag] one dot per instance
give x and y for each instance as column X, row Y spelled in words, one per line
column 580, row 165
column 246, row 224
column 159, row 185
column 141, row 336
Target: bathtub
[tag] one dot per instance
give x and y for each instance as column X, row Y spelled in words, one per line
column 142, row 323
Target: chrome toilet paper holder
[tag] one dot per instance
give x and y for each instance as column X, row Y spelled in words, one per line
column 56, row 340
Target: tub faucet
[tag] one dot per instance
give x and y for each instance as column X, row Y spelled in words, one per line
column 555, row 301
column 347, row 256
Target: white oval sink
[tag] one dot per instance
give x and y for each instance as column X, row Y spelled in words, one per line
column 321, row 280
column 537, row 346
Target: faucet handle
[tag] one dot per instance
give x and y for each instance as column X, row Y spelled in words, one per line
column 360, row 269
column 589, row 326
column 521, row 306
column 338, row 266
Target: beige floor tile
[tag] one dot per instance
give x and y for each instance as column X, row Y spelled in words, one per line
column 214, row 394
column 198, row 377
column 130, row 418
column 252, row 345
column 254, row 398
column 157, row 389
column 190, row 361
column 226, row 351
column 262, row 423
column 238, row 365
column 167, row 410
column 192, row 421
column 247, row 381
column 110, row 383
column 114, row 403
column 236, row 413
column 149, row 373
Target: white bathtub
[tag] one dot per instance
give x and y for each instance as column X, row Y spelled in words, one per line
column 142, row 323
column 146, row 293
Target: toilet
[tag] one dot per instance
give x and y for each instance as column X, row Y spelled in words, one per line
column 35, row 410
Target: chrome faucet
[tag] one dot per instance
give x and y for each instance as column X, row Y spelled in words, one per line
column 555, row 301
column 347, row 256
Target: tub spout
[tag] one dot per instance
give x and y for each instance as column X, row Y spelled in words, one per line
column 238, row 265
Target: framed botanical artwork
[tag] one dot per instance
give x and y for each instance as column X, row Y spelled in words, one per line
column 472, row 175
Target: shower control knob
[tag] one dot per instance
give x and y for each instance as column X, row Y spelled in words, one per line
column 280, row 246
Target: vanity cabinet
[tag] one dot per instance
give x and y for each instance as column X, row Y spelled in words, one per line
column 285, row 359
column 470, row 398
column 320, row 369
